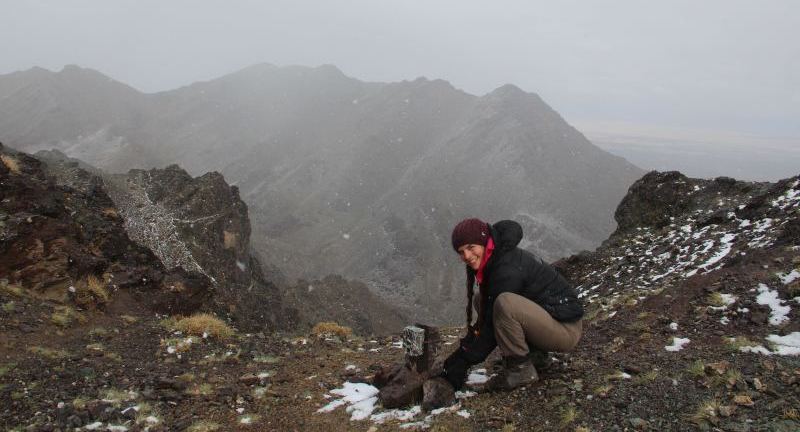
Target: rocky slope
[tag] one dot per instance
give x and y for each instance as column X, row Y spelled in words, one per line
column 341, row 176
column 691, row 324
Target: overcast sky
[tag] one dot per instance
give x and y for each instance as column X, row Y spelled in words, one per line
column 718, row 65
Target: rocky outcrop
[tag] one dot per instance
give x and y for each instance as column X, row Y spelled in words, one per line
column 659, row 197
column 201, row 225
column 65, row 240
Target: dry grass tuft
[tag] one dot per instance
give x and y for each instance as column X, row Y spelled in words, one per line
column 706, row 412
column 568, row 416
column 97, row 288
column 14, row 290
column 791, row 414
column 327, row 329
column 697, row 369
column 11, row 163
column 111, row 212
column 64, row 316
column 646, row 377
column 740, row 342
column 48, row 353
column 203, row 323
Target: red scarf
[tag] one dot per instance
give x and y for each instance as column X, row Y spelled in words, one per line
column 487, row 253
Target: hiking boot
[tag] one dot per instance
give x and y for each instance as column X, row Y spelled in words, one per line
column 541, row 359
column 436, row 393
column 516, row 372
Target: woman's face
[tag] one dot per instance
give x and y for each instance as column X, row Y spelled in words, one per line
column 471, row 254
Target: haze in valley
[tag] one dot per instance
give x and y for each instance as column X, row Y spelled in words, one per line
column 710, row 88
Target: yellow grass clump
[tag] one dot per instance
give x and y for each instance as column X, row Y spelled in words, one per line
column 64, row 316
column 97, row 288
column 204, row 323
column 11, row 163
column 111, row 212
column 324, row 329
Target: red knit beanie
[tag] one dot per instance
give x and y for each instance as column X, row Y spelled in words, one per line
column 470, row 231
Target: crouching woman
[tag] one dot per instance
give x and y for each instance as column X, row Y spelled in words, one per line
column 524, row 306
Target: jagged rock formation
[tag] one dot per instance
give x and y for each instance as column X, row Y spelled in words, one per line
column 341, row 176
column 56, row 237
column 200, row 225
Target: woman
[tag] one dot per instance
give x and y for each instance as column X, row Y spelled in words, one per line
column 523, row 305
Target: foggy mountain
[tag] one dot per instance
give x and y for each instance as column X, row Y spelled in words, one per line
column 342, row 176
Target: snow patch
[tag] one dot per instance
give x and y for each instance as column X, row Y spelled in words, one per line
column 396, row 414
column 787, row 278
column 677, row 344
column 360, row 397
column 477, row 377
column 788, row 345
column 770, row 298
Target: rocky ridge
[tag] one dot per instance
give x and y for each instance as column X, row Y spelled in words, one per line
column 342, row 176
column 691, row 325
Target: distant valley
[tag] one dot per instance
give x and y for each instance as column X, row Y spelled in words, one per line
column 342, row 176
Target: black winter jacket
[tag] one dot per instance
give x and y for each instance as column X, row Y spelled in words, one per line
column 511, row 269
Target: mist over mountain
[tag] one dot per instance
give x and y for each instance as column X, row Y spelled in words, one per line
column 342, row 176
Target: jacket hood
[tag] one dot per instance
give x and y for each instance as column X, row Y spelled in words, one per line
column 506, row 234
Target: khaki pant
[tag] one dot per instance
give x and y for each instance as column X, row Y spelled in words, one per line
column 520, row 323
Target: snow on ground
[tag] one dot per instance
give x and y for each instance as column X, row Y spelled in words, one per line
column 788, row 278
column 770, row 298
column 361, row 400
column 477, row 377
column 788, row 345
column 677, row 344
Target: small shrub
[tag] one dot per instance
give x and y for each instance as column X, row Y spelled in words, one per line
column 113, row 357
column 98, row 332
column 706, row 412
column 64, row 316
column 603, row 390
column 203, row 323
column 9, row 307
column 568, row 416
column 791, row 414
column 14, row 290
column 116, row 396
column 740, row 342
column 697, row 369
column 79, row 403
column 327, row 329
column 111, row 212
column 48, row 353
column 128, row 319
column 97, row 288
column 11, row 163
column 646, row 377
